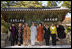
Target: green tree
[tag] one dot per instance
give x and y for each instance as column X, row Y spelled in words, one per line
column 4, row 26
column 7, row 4
column 51, row 4
column 36, row 4
column 21, row 4
column 24, row 4
column 66, row 4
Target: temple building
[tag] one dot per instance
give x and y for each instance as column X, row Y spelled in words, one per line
column 34, row 14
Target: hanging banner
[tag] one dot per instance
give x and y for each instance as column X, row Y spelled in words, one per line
column 50, row 19
column 16, row 20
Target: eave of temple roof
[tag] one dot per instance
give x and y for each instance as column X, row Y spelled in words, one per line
column 31, row 9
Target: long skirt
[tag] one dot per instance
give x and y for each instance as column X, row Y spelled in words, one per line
column 40, row 36
column 32, row 38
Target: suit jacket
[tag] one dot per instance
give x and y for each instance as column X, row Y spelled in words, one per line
column 47, row 33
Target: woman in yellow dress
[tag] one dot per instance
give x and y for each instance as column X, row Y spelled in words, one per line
column 53, row 34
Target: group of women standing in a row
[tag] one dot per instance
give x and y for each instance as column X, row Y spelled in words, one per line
column 23, row 34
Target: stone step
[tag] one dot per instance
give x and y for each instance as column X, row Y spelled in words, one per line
column 3, row 43
column 57, row 46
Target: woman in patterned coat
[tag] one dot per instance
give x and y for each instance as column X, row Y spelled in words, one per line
column 26, row 33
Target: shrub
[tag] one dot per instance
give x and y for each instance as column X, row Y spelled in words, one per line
column 69, row 28
column 3, row 29
column 66, row 31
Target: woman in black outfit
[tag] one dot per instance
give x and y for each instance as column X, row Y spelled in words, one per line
column 47, row 34
column 20, row 35
column 61, row 33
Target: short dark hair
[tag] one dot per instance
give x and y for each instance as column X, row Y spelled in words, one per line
column 40, row 23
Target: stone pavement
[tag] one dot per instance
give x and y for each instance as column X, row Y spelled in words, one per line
column 65, row 45
column 22, row 46
column 59, row 45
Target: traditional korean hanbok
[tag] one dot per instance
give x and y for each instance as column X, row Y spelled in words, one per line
column 40, row 33
column 33, row 34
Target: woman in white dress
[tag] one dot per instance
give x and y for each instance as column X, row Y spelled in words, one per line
column 33, row 33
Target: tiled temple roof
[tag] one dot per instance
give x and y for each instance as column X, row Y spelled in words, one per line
column 31, row 9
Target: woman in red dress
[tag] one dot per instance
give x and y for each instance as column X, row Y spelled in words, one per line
column 40, row 33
